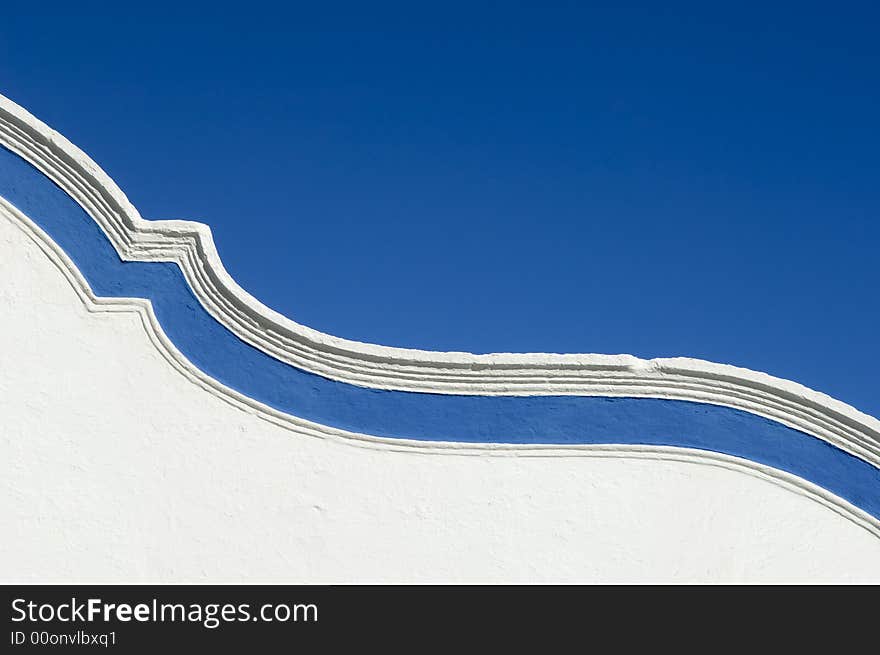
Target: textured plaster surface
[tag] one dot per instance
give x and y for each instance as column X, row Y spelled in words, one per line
column 205, row 347
column 118, row 468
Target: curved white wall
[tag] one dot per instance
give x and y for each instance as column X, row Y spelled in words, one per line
column 117, row 468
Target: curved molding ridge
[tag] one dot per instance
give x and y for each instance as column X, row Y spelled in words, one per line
column 659, row 391
column 190, row 245
column 143, row 309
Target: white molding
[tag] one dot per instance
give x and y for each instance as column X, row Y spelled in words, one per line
column 144, row 310
column 191, row 246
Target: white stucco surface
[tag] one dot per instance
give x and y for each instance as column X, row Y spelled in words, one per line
column 117, row 468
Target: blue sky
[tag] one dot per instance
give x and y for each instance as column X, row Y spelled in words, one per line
column 659, row 179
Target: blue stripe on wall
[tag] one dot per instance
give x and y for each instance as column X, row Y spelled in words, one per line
column 430, row 417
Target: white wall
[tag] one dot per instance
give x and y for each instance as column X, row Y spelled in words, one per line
column 116, row 468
